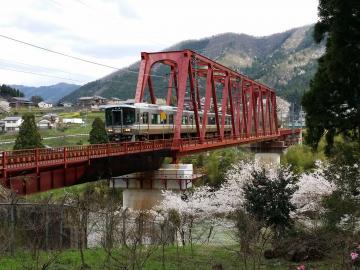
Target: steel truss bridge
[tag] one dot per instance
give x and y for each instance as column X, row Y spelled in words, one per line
column 252, row 107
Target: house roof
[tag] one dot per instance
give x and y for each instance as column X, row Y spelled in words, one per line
column 43, row 121
column 21, row 99
column 12, row 118
column 50, row 115
column 90, row 98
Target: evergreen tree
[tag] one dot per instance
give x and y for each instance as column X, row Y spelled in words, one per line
column 36, row 99
column 333, row 102
column 29, row 136
column 7, row 91
column 269, row 200
column 98, row 133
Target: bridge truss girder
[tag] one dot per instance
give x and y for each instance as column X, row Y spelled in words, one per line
column 252, row 105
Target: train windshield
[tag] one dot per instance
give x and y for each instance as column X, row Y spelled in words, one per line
column 128, row 116
column 119, row 116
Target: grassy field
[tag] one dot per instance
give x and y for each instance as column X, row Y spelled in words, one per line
column 61, row 134
column 202, row 257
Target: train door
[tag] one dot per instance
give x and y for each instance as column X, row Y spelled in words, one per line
column 117, row 119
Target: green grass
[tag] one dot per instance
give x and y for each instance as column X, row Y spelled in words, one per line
column 71, row 129
column 59, row 193
column 202, row 257
column 100, row 187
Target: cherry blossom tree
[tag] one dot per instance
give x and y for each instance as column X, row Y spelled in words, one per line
column 313, row 187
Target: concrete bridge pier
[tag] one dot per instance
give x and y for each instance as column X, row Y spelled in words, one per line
column 143, row 191
column 268, row 152
column 268, row 157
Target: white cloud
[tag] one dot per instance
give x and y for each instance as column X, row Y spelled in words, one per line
column 114, row 32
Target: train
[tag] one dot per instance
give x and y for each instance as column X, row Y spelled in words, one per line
column 144, row 121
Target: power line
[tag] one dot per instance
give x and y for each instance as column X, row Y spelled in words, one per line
column 71, row 56
column 50, row 69
column 201, row 51
column 40, row 74
column 59, row 53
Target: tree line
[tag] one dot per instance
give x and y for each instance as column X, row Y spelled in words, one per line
column 7, row 91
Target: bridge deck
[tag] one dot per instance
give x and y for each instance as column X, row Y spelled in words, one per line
column 38, row 158
column 34, row 170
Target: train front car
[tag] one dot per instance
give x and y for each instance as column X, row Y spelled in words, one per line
column 142, row 121
column 119, row 122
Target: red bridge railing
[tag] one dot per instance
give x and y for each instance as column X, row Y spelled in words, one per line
column 36, row 170
column 36, row 158
column 25, row 159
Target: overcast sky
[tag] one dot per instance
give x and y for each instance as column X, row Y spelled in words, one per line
column 114, row 32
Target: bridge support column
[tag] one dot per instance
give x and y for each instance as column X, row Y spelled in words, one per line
column 143, row 191
column 268, row 152
column 268, row 158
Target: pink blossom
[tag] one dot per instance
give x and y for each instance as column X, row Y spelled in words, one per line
column 354, row 256
column 301, row 267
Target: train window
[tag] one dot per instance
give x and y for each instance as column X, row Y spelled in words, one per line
column 108, row 117
column 162, row 121
column 137, row 117
column 145, row 118
column 211, row 120
column 184, row 120
column 154, row 119
column 117, row 116
column 171, row 119
column 228, row 119
column 128, row 117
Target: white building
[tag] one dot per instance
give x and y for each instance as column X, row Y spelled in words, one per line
column 43, row 123
column 72, row 121
column 44, row 105
column 52, row 117
column 12, row 123
column 65, row 104
column 113, row 101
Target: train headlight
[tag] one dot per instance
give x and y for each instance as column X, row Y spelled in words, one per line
column 127, row 129
column 110, row 130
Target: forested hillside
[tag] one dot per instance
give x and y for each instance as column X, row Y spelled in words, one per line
column 286, row 61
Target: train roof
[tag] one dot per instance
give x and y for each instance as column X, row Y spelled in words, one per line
column 143, row 106
column 152, row 107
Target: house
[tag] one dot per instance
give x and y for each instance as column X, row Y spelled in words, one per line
column 17, row 102
column 129, row 101
column 91, row 101
column 114, row 101
column 44, row 123
column 72, row 121
column 50, row 120
column 44, row 105
column 65, row 104
column 52, row 117
column 12, row 123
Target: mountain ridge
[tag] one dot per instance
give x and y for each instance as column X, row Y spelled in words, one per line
column 285, row 61
column 51, row 93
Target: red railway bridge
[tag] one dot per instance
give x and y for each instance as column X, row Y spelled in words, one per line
column 252, row 107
